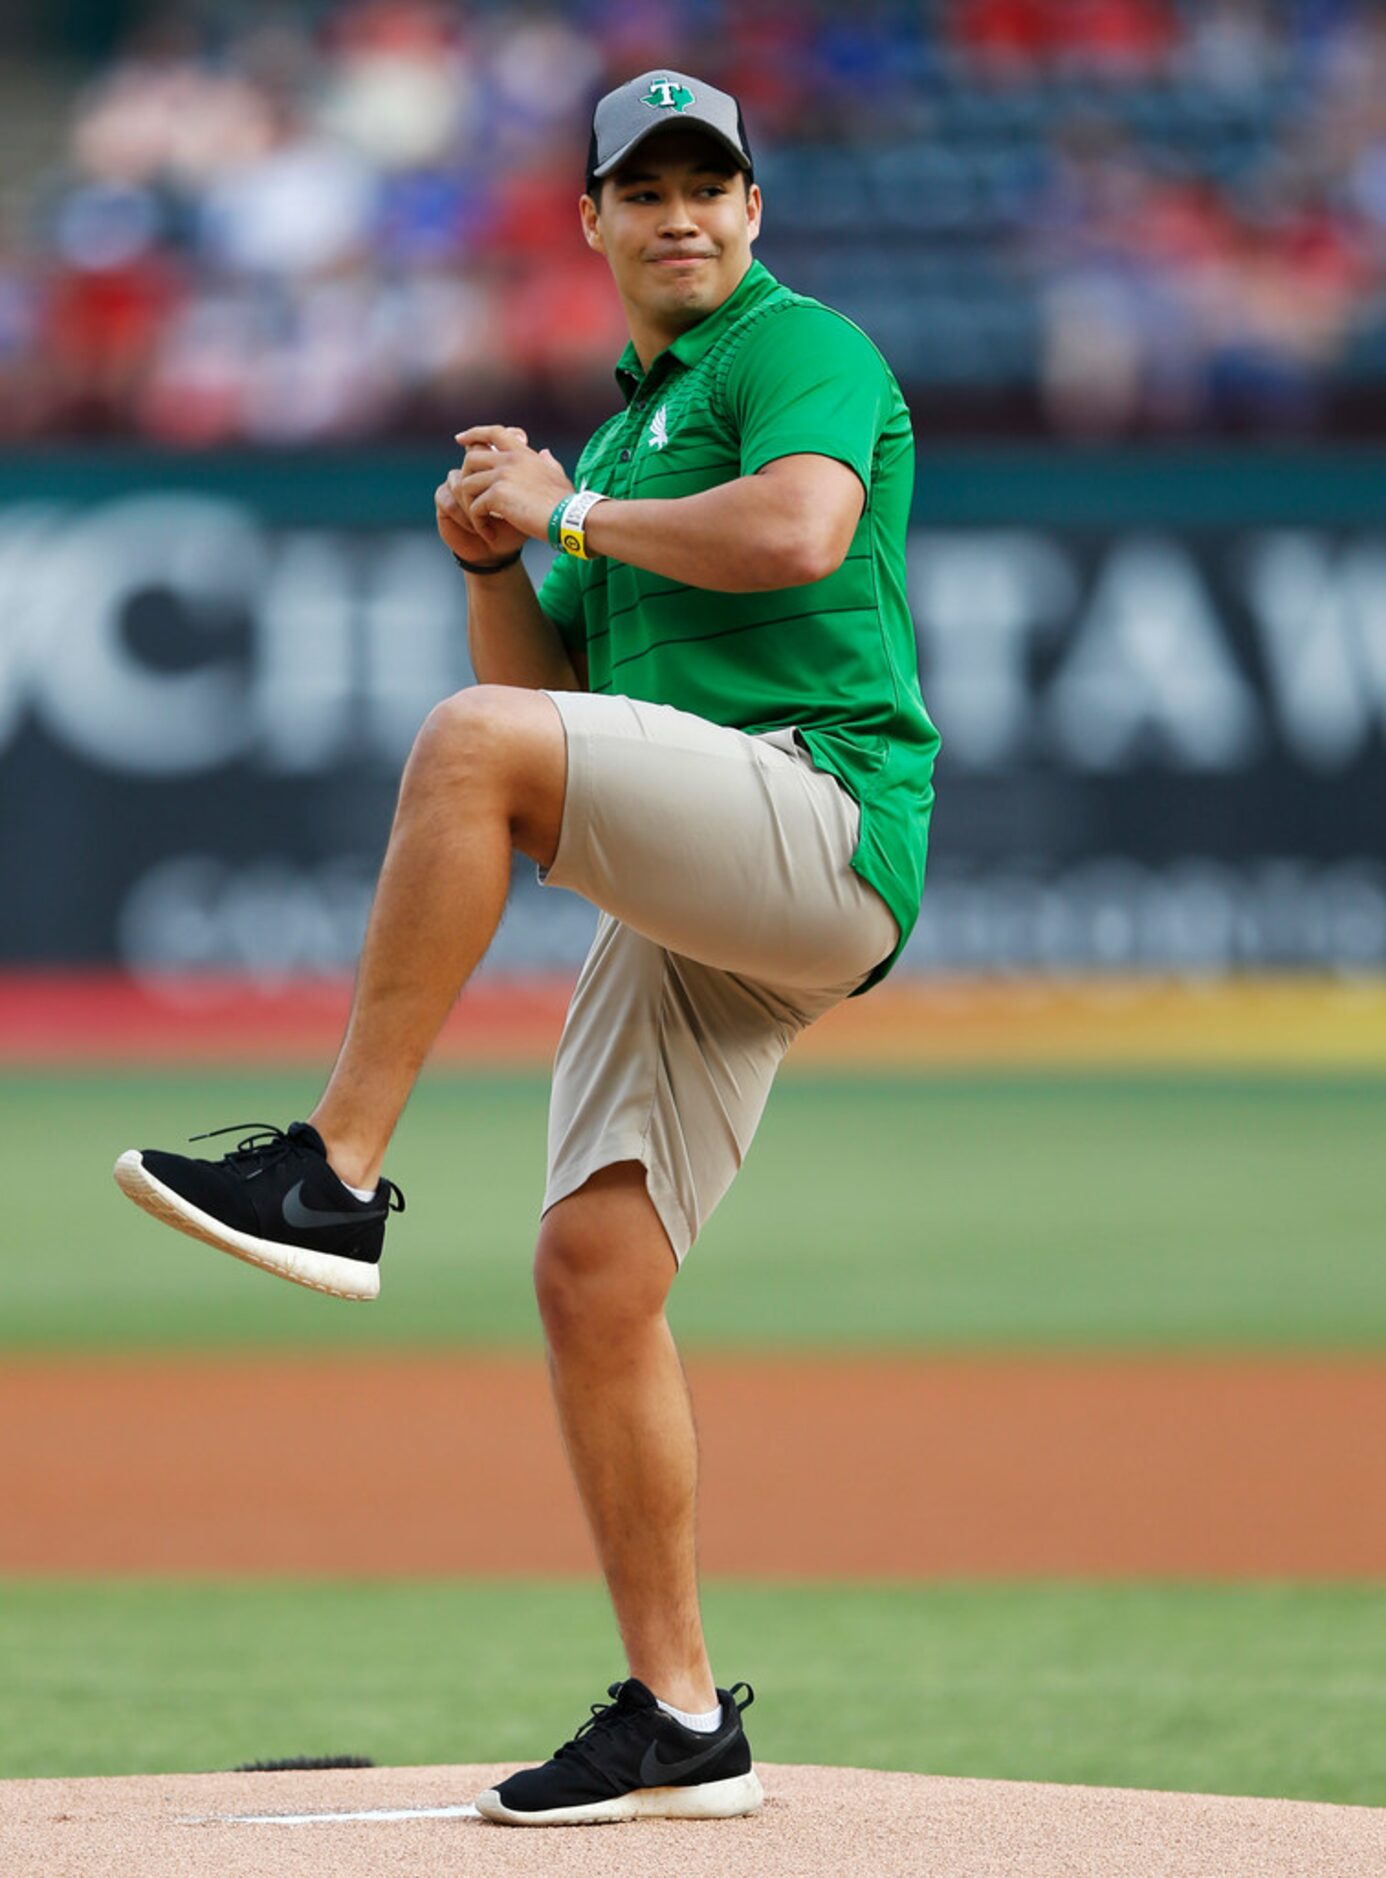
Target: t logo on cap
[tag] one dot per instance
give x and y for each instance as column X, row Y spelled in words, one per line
column 665, row 95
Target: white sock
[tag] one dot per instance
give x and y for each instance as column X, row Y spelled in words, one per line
column 700, row 1724
column 362, row 1193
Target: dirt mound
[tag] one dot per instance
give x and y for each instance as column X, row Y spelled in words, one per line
column 839, row 1822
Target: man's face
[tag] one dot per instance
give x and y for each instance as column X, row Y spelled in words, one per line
column 676, row 224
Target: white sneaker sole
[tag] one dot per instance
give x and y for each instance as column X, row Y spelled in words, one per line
column 319, row 1271
column 718, row 1799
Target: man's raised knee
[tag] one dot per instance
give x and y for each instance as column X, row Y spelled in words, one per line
column 503, row 743
column 465, row 730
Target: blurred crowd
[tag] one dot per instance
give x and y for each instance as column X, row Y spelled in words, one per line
column 343, row 221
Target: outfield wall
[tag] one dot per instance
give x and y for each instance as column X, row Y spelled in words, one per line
column 1161, row 680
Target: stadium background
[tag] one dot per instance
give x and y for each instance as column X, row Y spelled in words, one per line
column 1093, row 1169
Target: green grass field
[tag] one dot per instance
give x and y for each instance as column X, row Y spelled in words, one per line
column 1272, row 1690
column 1096, row 1213
column 944, row 1213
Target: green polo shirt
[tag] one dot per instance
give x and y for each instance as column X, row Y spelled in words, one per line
column 771, row 373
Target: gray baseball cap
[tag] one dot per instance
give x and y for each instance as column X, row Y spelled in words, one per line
column 627, row 116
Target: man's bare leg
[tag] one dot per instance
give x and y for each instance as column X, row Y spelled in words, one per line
column 486, row 775
column 602, row 1272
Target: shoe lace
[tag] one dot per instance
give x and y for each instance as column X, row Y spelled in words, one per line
column 265, row 1145
column 262, row 1147
column 604, row 1716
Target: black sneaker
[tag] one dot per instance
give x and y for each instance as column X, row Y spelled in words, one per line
column 274, row 1202
column 632, row 1761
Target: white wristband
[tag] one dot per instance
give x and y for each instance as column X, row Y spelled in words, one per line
column 572, row 535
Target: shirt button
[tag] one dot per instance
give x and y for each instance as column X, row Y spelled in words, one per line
column 625, row 456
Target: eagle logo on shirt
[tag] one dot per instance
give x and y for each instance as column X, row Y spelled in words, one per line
column 666, row 94
column 659, row 428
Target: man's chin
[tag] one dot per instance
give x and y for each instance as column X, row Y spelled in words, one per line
column 691, row 293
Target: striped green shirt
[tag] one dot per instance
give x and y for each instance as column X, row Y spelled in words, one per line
column 770, row 374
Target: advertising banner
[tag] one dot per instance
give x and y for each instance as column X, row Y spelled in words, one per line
column 1161, row 685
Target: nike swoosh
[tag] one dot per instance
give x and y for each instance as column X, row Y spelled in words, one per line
column 657, row 1773
column 297, row 1214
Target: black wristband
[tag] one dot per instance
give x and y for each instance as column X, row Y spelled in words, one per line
column 488, row 567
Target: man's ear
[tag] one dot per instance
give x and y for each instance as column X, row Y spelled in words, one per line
column 753, row 210
column 591, row 224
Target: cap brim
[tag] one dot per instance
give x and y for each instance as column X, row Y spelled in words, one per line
column 679, row 123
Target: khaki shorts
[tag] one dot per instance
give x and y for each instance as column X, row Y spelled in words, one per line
column 731, row 918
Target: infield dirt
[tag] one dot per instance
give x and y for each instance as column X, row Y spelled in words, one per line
column 912, row 1468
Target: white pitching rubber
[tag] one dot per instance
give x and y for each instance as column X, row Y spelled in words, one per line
column 716, row 1799
column 320, row 1271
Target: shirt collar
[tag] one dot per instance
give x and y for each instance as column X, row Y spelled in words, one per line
column 756, row 284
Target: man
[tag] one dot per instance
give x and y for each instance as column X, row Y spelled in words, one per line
column 708, row 721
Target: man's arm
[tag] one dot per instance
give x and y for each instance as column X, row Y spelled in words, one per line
column 790, row 523
column 512, row 640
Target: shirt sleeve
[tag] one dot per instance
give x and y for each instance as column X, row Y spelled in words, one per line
column 806, row 380
column 560, row 596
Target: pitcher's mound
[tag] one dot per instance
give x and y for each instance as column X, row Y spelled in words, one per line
column 840, row 1822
